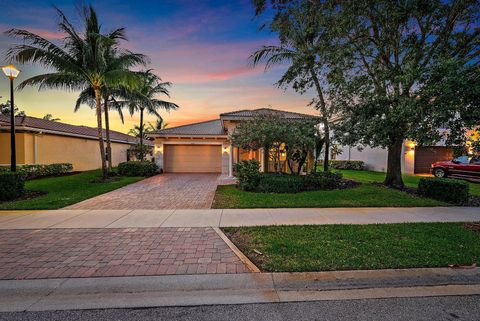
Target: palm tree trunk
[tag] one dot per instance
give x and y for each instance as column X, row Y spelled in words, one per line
column 141, row 134
column 98, row 106
column 107, row 133
column 323, row 111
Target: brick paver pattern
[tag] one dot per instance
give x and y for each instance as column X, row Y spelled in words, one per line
column 67, row 253
column 166, row 191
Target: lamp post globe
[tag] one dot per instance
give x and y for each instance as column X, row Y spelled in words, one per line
column 12, row 72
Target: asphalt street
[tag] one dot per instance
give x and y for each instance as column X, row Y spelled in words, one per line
column 451, row 308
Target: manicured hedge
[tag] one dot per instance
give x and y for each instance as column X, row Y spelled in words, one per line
column 12, row 185
column 347, row 164
column 444, row 189
column 280, row 183
column 137, row 168
column 41, row 170
column 322, row 181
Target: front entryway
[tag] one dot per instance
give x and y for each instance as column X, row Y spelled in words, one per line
column 192, row 158
column 166, row 191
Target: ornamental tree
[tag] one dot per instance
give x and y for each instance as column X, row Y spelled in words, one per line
column 409, row 68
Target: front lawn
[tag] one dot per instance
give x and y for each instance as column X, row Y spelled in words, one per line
column 378, row 177
column 365, row 195
column 357, row 247
column 66, row 190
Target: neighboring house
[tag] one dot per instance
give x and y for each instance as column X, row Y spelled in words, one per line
column 205, row 147
column 40, row 141
column 415, row 159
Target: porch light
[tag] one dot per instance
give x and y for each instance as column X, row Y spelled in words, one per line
column 412, row 145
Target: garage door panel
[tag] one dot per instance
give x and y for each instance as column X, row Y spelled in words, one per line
column 425, row 156
column 193, row 158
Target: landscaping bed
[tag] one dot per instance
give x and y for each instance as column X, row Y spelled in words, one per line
column 365, row 195
column 358, row 247
column 58, row 192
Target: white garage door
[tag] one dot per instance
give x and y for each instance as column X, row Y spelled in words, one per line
column 192, row 158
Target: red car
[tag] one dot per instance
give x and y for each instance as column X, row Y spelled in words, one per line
column 463, row 166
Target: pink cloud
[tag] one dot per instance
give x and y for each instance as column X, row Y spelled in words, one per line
column 47, row 34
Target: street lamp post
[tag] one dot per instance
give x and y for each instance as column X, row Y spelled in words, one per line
column 12, row 72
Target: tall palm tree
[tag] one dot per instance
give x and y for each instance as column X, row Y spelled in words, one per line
column 87, row 96
column 143, row 99
column 301, row 42
column 81, row 62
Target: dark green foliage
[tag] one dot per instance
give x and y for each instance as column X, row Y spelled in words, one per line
column 136, row 168
column 347, row 164
column 280, row 183
column 444, row 189
column 248, row 174
column 11, row 185
column 322, row 181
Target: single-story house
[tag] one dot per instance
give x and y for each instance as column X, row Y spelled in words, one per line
column 205, row 147
column 415, row 159
column 40, row 141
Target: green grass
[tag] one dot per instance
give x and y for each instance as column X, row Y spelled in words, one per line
column 66, row 190
column 365, row 195
column 353, row 247
column 378, row 177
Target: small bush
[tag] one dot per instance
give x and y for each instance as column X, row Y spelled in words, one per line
column 444, row 189
column 248, row 174
column 322, row 181
column 280, row 183
column 137, row 168
column 12, row 185
column 347, row 164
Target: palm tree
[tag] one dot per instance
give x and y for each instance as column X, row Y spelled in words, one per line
column 159, row 124
column 50, row 117
column 82, row 61
column 143, row 99
column 301, row 42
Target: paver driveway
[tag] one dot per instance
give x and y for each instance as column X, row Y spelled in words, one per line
column 53, row 253
column 166, row 191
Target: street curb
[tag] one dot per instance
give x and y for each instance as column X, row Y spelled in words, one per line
column 212, row 289
column 252, row 267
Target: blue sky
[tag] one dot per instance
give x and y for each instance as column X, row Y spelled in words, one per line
column 202, row 47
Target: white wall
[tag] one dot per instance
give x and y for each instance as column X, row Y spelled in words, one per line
column 375, row 159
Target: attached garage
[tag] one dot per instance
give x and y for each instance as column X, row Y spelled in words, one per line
column 425, row 156
column 192, row 158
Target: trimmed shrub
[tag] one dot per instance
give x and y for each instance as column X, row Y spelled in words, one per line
column 137, row 168
column 347, row 164
column 248, row 174
column 322, row 181
column 444, row 189
column 280, row 183
column 42, row 170
column 12, row 185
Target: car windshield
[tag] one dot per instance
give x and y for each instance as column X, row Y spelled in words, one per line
column 462, row 159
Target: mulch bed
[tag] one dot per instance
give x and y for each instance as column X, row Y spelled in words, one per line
column 27, row 196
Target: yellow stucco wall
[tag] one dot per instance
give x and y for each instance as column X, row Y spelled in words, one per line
column 82, row 153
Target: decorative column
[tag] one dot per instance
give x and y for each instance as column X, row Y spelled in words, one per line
column 230, row 162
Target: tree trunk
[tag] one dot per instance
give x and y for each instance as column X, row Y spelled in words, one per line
column 100, row 132
column 323, row 112
column 327, row 145
column 107, row 133
column 141, row 134
column 394, row 167
column 301, row 162
column 266, row 153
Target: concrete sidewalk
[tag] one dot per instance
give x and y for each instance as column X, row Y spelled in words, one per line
column 231, row 217
column 186, row 290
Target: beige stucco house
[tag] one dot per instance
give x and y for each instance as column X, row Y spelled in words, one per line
column 40, row 141
column 205, row 147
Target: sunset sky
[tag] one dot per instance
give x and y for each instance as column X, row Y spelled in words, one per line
column 200, row 46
